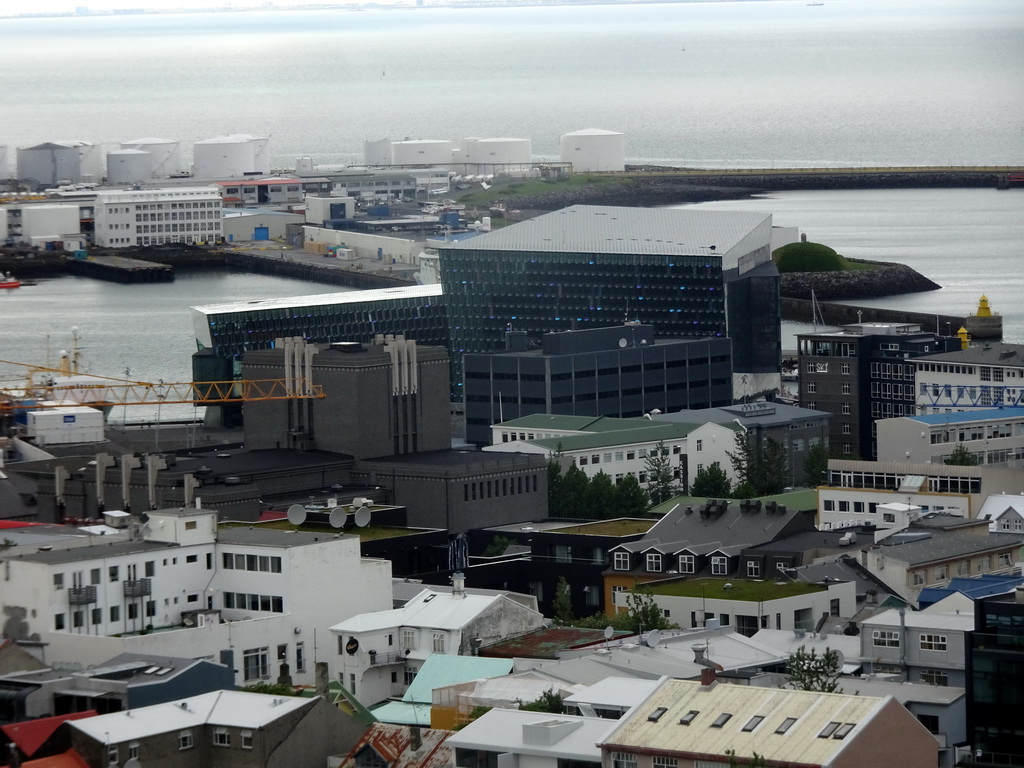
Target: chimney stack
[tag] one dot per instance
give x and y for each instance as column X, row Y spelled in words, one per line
column 708, row 679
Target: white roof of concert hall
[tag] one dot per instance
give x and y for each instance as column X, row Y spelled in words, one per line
column 322, row 299
column 620, row 230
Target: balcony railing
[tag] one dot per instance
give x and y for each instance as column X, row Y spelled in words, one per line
column 81, row 595
column 390, row 657
column 138, row 587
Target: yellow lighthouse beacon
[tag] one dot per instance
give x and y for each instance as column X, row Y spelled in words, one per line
column 984, row 324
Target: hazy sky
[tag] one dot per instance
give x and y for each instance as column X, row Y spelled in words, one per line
column 60, row 6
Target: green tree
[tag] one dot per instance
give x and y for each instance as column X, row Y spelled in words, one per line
column 661, row 481
column 549, row 701
column 600, row 498
column 630, row 499
column 772, row 469
column 961, row 457
column 761, row 470
column 644, row 614
column 555, row 493
column 561, row 604
column 498, row 546
column 711, row 482
column 573, row 493
column 807, row 671
column 816, row 465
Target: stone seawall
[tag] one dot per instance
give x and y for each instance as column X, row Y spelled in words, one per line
column 800, row 310
column 885, row 280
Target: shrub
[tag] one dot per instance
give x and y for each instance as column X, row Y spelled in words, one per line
column 808, row 257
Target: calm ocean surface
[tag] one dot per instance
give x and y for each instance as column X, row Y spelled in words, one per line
column 773, row 82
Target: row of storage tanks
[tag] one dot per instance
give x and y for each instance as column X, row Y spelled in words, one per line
column 142, row 159
column 237, row 155
column 591, row 149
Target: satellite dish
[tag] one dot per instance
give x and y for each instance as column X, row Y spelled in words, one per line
column 608, row 632
column 362, row 517
column 133, row 762
column 623, row 342
column 337, row 517
column 652, row 638
column 296, row 514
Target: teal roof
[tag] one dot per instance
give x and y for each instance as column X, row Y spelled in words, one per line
column 441, row 670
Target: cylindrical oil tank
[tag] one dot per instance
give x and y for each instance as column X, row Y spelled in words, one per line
column 467, row 153
column 129, row 166
column 90, row 160
column 226, row 157
column 501, row 152
column 377, row 152
column 4, row 171
column 593, row 149
column 422, row 152
column 166, row 155
column 304, row 164
column 260, row 152
column 49, row 163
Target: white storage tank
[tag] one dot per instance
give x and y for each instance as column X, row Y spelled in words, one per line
column 422, row 152
column 166, row 154
column 466, row 153
column 377, row 152
column 49, row 222
column 4, row 171
column 260, row 152
column 49, row 163
column 66, row 424
column 501, row 152
column 129, row 166
column 593, row 149
column 226, row 157
column 304, row 165
column 90, row 160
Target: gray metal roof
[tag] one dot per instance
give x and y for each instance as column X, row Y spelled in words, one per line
column 750, row 415
column 988, row 354
column 946, row 545
column 610, row 229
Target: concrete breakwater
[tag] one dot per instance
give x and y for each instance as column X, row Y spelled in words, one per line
column 885, row 280
column 330, row 273
column 802, row 311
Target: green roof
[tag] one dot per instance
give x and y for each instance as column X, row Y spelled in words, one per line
column 795, row 501
column 623, row 526
column 655, row 432
column 578, row 423
column 741, row 589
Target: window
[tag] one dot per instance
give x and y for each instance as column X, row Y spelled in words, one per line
column 883, row 638
column 409, row 675
column 112, row 754
column 753, row 569
column 113, row 573
column 408, row 639
column 688, row 717
column 719, row 565
column 115, row 613
column 150, row 569
column 623, row 760
column 621, row 561
column 687, row 564
column 934, row 677
column 654, row 561
column 58, row 581
column 785, row 725
column 846, row 389
column 256, row 663
column 246, row 738
column 721, row 720
column 828, row 730
column 933, row 642
column 752, row 723
column 438, row 645
column 133, row 750
column 221, row 737
column 300, row 657
column 700, row 446
column 660, row 761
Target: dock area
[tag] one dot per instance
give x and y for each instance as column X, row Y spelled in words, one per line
column 122, row 269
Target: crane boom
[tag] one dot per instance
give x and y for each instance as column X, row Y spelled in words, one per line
column 146, row 393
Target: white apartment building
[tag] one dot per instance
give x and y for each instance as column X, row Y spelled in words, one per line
column 619, row 447
column 182, row 586
column 989, row 375
column 993, row 436
column 380, row 653
column 158, row 216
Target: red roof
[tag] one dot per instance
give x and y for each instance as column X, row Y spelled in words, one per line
column 69, row 759
column 32, row 734
column 4, row 524
column 272, row 514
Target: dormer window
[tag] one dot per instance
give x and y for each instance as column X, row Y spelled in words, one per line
column 621, row 562
column 654, row 562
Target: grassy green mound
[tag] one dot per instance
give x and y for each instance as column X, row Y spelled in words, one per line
column 808, row 257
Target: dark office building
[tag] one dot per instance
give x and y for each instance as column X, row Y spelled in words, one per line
column 995, row 680
column 860, row 373
column 689, row 273
column 621, row 371
column 386, row 398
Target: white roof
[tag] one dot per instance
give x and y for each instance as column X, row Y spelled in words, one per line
column 997, row 505
column 961, row 622
column 615, row 692
column 501, row 730
column 788, row 642
column 435, row 610
column 237, row 709
column 593, row 132
column 323, row 299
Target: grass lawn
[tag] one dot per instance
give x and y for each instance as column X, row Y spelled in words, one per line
column 510, row 187
column 742, row 589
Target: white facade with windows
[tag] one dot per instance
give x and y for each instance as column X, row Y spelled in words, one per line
column 186, row 588
column 158, row 216
column 994, row 437
column 989, row 375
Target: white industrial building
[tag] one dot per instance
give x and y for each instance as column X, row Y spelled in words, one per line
column 129, row 166
column 377, row 152
column 422, row 152
column 230, row 157
column 157, row 216
column 180, row 585
column 65, row 424
column 48, row 223
column 165, row 154
column 593, row 149
column 994, row 437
